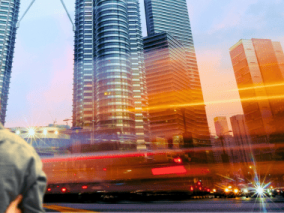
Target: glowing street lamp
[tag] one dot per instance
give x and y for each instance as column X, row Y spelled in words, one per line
column 45, row 132
column 31, row 132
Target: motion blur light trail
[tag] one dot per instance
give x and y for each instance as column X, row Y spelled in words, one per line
column 258, row 87
column 65, row 209
column 174, row 106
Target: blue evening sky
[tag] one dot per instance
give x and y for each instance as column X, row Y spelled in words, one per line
column 42, row 74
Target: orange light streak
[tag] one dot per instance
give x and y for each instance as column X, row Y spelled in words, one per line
column 258, row 87
column 174, row 106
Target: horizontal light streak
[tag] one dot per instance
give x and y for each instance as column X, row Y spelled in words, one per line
column 258, row 98
column 258, row 87
column 169, row 170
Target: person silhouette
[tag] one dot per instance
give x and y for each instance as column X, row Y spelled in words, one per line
column 23, row 182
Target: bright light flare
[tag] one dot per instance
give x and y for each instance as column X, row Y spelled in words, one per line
column 45, row 132
column 245, row 190
column 259, row 190
column 226, row 190
column 18, row 132
column 31, row 132
column 236, row 190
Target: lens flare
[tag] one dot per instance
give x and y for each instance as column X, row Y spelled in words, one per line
column 45, row 132
column 31, row 132
column 259, row 190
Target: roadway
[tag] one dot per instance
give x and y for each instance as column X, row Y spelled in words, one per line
column 191, row 205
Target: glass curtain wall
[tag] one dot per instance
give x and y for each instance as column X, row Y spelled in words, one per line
column 109, row 79
column 172, row 17
column 9, row 11
column 138, row 72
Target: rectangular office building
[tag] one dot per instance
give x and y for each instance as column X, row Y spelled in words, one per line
column 168, row 87
column 172, row 17
column 258, row 67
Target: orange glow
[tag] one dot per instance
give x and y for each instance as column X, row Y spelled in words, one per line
column 63, row 189
column 258, row 87
column 49, row 189
column 169, row 170
column 250, row 99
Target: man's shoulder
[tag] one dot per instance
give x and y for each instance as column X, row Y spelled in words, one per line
column 14, row 148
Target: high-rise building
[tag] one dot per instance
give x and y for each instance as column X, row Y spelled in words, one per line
column 9, row 11
column 168, row 85
column 258, row 67
column 109, row 78
column 172, row 17
column 279, row 55
column 242, row 138
column 227, row 141
column 221, row 126
column 138, row 72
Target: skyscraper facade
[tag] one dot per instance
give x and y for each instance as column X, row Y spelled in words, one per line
column 168, row 85
column 108, row 65
column 221, row 126
column 172, row 17
column 242, row 138
column 226, row 140
column 9, row 11
column 138, row 72
column 260, row 82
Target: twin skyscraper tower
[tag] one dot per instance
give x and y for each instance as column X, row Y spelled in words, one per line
column 113, row 76
column 140, row 88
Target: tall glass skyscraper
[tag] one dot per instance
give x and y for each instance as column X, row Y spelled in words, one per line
column 171, row 16
column 109, row 85
column 9, row 11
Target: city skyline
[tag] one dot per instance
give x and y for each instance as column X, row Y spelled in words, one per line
column 212, row 62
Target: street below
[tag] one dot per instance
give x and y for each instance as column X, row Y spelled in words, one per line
column 191, row 205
